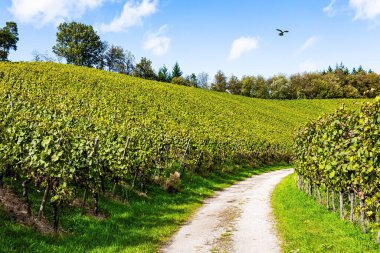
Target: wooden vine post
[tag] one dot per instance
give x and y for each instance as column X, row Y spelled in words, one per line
column 43, row 201
column 341, row 203
column 95, row 194
column 352, row 203
column 327, row 198
column 55, row 206
column 362, row 211
column 184, row 156
column 333, row 200
column 378, row 222
column 198, row 162
column 25, row 195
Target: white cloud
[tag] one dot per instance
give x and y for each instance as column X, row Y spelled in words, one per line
column 243, row 45
column 309, row 65
column 42, row 12
column 157, row 42
column 132, row 15
column 366, row 9
column 308, row 43
column 329, row 9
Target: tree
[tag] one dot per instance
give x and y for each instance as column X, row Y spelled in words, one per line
column 8, row 39
column 350, row 92
column 261, row 90
column 119, row 60
column 176, row 72
column 220, row 82
column 248, row 83
column 144, row 70
column 360, row 69
column 164, row 75
column 193, row 80
column 234, row 85
column 203, row 80
column 79, row 45
column 129, row 62
column 114, row 57
column 279, row 87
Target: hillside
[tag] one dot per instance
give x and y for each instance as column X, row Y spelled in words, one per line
column 91, row 142
column 110, row 98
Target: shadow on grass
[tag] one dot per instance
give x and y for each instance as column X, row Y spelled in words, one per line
column 140, row 226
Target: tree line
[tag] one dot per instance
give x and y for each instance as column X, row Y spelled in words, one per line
column 339, row 82
column 79, row 44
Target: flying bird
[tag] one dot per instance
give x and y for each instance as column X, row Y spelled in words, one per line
column 281, row 32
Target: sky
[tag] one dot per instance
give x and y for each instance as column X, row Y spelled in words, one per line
column 238, row 37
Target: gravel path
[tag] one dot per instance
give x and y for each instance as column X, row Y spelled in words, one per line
column 238, row 219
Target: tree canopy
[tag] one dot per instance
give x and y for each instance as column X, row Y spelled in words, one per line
column 8, row 39
column 220, row 82
column 79, row 44
column 144, row 69
column 176, row 72
column 119, row 60
column 164, row 75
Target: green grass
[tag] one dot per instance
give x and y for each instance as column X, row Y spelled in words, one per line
column 140, row 226
column 306, row 226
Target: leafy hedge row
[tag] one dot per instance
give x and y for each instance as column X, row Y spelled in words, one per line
column 341, row 152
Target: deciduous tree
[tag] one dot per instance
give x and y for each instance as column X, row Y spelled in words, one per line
column 8, row 39
column 119, row 60
column 203, row 80
column 144, row 70
column 220, row 82
column 234, row 85
column 193, row 80
column 79, row 44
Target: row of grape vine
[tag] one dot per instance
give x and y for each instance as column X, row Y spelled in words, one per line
column 65, row 138
column 340, row 153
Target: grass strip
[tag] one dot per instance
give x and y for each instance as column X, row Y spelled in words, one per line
column 306, row 226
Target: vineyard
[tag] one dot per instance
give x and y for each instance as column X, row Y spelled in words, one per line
column 339, row 153
column 67, row 130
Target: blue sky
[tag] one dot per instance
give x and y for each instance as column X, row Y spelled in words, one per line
column 235, row 36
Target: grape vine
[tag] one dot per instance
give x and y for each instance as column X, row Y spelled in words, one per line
column 340, row 153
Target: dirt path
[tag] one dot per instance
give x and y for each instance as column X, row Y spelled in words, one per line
column 238, row 219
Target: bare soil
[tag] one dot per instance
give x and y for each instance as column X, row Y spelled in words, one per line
column 16, row 207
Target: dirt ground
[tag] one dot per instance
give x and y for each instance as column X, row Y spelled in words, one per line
column 238, row 219
column 17, row 208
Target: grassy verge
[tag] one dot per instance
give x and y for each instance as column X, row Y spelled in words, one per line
column 306, row 226
column 140, row 226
